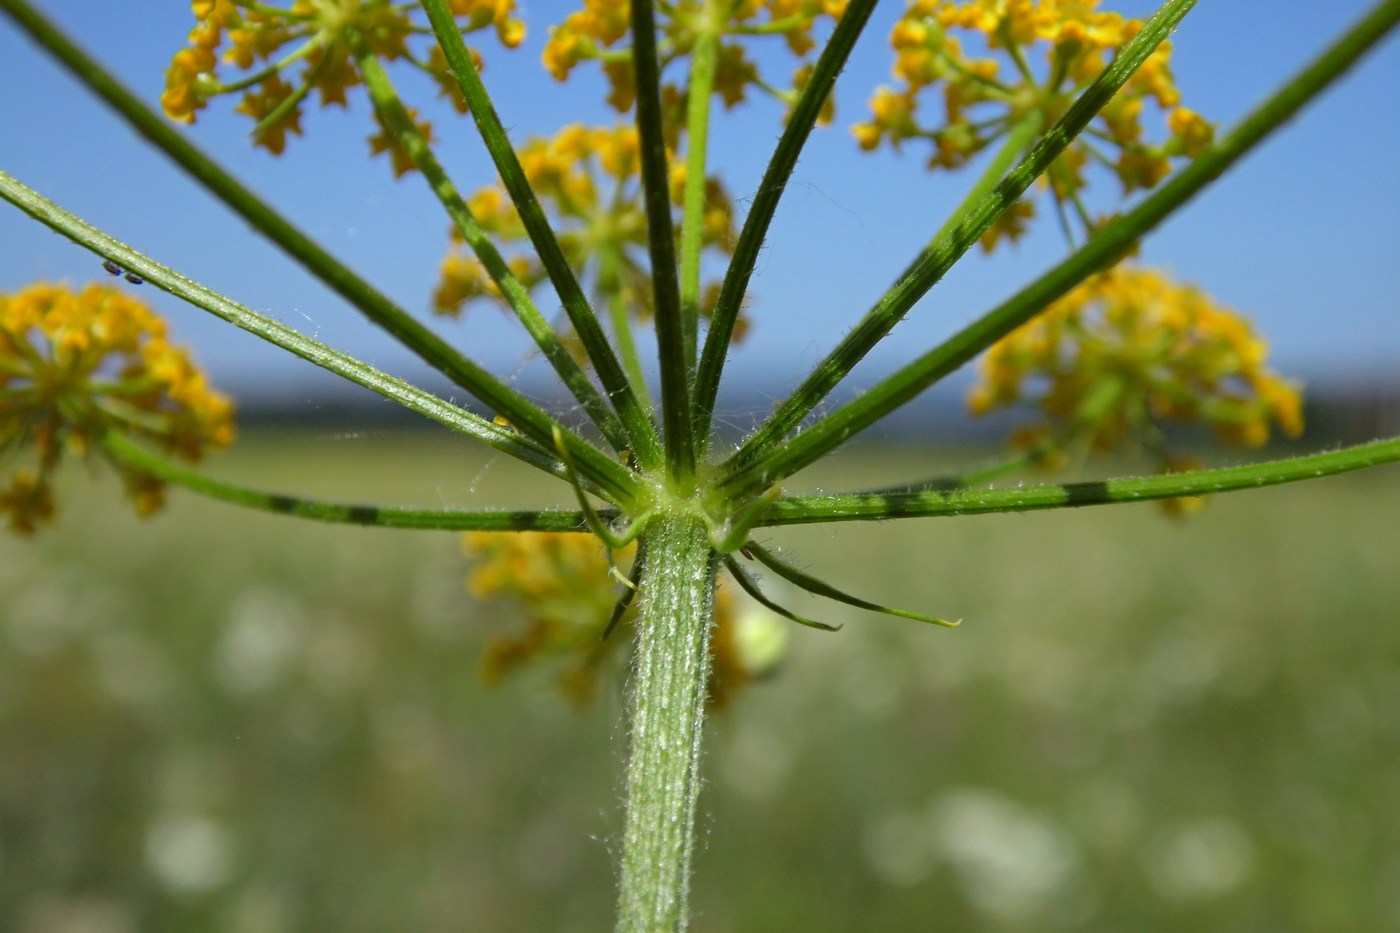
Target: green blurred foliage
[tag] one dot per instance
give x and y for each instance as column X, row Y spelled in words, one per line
column 215, row 720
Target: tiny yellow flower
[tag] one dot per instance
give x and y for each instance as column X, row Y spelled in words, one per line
column 496, row 13
column 1191, row 133
column 267, row 106
column 27, row 503
column 386, row 141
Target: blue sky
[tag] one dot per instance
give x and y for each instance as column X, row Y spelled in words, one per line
column 1304, row 236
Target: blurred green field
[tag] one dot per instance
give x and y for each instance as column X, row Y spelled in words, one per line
column 216, row 720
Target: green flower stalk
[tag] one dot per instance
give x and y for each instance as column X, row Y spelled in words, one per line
column 617, row 219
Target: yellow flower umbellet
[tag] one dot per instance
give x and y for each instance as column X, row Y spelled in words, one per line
column 596, row 33
column 564, row 587
column 589, row 179
column 1127, row 350
column 313, row 37
column 1043, row 53
column 75, row 366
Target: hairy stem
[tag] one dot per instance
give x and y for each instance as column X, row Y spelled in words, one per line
column 610, row 281
column 1018, row 139
column 136, row 457
column 765, row 204
column 797, row 510
column 702, row 82
column 661, row 247
column 667, row 711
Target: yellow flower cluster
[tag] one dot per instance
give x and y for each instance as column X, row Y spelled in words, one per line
column 1043, row 53
column 563, row 586
column 253, row 37
column 1128, row 348
column 77, row 365
column 595, row 33
column 589, row 180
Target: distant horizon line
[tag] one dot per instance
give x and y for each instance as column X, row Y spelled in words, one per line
column 1340, row 408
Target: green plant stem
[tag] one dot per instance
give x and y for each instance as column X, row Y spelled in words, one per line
column 697, row 137
column 798, row 510
column 613, row 480
column 1018, row 139
column 431, row 348
column 610, row 281
column 932, row 263
column 666, row 710
column 640, row 428
column 983, row 473
column 1102, row 250
column 136, row 457
column 765, row 205
column 396, row 118
column 676, row 417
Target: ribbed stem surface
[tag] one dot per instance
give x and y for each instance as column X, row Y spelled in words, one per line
column 667, row 710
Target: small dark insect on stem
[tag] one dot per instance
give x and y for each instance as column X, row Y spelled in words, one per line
column 114, row 269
